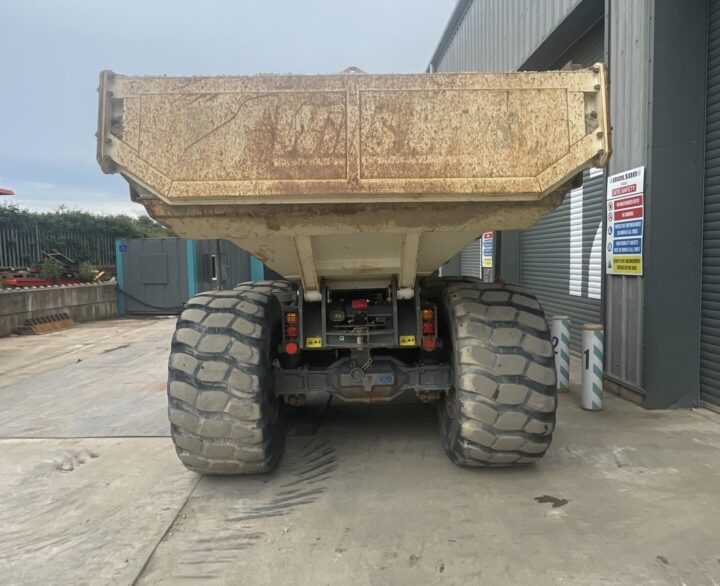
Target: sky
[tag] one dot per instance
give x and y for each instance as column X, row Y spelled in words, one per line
column 51, row 52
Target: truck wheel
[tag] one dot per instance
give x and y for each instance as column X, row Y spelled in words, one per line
column 501, row 409
column 224, row 417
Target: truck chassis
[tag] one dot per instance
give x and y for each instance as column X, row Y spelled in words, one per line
column 234, row 370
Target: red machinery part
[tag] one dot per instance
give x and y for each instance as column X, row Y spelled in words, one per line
column 39, row 282
column 359, row 304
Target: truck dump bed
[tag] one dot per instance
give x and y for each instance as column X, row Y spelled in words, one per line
column 352, row 177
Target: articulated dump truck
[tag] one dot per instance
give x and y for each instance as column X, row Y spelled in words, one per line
column 356, row 188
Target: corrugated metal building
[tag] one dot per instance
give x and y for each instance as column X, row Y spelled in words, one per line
column 158, row 275
column 663, row 57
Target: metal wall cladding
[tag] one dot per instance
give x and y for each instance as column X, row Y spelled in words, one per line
column 155, row 275
column 499, row 35
column 235, row 264
column 589, row 49
column 630, row 53
column 471, row 259
column 451, row 268
column 710, row 309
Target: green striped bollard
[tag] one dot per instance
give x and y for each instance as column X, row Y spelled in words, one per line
column 591, row 393
column 561, row 345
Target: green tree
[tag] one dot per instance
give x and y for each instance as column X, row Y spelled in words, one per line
column 87, row 271
column 75, row 230
column 64, row 220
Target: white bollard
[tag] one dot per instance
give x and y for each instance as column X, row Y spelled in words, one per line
column 591, row 393
column 561, row 345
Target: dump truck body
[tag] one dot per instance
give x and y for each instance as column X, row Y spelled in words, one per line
column 356, row 188
column 352, row 176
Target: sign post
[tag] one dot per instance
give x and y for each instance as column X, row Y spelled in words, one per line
column 625, row 213
column 487, row 250
column 486, row 257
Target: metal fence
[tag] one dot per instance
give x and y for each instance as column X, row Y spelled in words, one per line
column 19, row 248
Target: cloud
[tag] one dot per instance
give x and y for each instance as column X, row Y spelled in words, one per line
column 53, row 52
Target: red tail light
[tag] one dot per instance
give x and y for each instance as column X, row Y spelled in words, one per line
column 359, row 304
column 291, row 331
column 429, row 344
column 291, row 348
column 428, row 328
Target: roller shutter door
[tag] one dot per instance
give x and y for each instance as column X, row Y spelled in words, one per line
column 561, row 256
column 470, row 260
column 710, row 308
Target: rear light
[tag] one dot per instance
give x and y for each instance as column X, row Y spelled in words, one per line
column 429, row 328
column 359, row 304
column 291, row 332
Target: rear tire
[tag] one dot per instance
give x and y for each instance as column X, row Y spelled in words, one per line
column 501, row 409
column 224, row 417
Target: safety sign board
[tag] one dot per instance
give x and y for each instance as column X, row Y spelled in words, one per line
column 487, row 250
column 625, row 222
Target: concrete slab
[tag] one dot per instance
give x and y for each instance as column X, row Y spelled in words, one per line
column 22, row 357
column 85, row 511
column 364, row 495
column 95, row 380
column 624, row 497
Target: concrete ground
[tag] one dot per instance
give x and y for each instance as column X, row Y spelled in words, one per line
column 92, row 492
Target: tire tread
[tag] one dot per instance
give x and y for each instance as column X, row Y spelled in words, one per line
column 505, row 384
column 240, row 429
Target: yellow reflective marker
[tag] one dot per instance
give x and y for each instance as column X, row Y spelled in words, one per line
column 407, row 340
column 313, row 342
